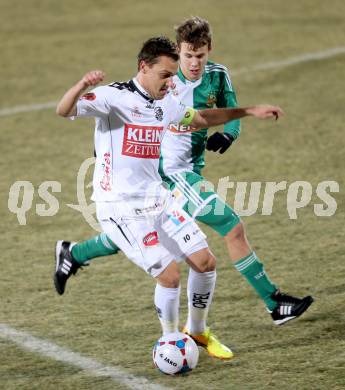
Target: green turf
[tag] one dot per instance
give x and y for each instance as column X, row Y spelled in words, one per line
column 107, row 311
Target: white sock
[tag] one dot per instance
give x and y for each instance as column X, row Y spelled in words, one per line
column 200, row 290
column 167, row 302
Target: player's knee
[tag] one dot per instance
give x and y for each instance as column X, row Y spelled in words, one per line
column 238, row 233
column 171, row 281
column 204, row 263
column 170, row 277
column 211, row 263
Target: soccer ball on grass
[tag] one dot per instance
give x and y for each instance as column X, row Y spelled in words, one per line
column 175, row 353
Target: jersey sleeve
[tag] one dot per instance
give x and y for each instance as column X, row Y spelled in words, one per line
column 227, row 99
column 94, row 103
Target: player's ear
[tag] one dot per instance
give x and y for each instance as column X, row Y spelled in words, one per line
column 142, row 66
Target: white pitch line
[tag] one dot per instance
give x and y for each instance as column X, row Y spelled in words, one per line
column 316, row 56
column 27, row 108
column 48, row 349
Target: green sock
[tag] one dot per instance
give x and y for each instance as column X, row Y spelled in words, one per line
column 95, row 247
column 253, row 270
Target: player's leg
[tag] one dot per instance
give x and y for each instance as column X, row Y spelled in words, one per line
column 181, row 229
column 202, row 274
column 207, row 207
column 70, row 256
column 248, row 264
column 200, row 288
column 226, row 222
column 97, row 246
column 167, row 297
column 282, row 307
column 140, row 242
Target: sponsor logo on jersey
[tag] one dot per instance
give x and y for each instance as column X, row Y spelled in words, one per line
column 176, row 217
column 150, row 104
column 136, row 113
column 142, row 141
column 179, row 128
column 89, row 96
column 151, row 239
column 158, row 113
column 106, row 180
column 148, row 209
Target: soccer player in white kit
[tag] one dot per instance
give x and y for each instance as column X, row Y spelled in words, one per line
column 134, row 209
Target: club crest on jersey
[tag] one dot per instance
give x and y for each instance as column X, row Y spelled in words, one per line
column 158, row 113
column 179, row 196
column 151, row 239
column 211, row 99
column 89, row 96
column 142, row 141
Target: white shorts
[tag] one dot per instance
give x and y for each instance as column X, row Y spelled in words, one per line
column 151, row 237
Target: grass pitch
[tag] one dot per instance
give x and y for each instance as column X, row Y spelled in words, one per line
column 107, row 311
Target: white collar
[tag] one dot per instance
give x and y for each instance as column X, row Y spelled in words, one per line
column 141, row 89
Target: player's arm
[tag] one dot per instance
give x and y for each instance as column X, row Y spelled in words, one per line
column 67, row 106
column 226, row 98
column 218, row 116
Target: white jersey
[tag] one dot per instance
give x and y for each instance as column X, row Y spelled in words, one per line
column 128, row 134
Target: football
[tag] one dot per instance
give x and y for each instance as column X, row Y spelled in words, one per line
column 175, row 353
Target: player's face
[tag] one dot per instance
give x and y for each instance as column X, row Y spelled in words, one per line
column 157, row 78
column 192, row 62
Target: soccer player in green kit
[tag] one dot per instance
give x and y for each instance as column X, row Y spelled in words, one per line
column 202, row 84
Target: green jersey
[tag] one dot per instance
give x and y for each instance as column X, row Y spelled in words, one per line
column 182, row 152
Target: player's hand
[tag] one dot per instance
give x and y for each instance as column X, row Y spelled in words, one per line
column 92, row 78
column 219, row 142
column 264, row 111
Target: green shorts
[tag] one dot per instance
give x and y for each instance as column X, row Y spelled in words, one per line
column 201, row 202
